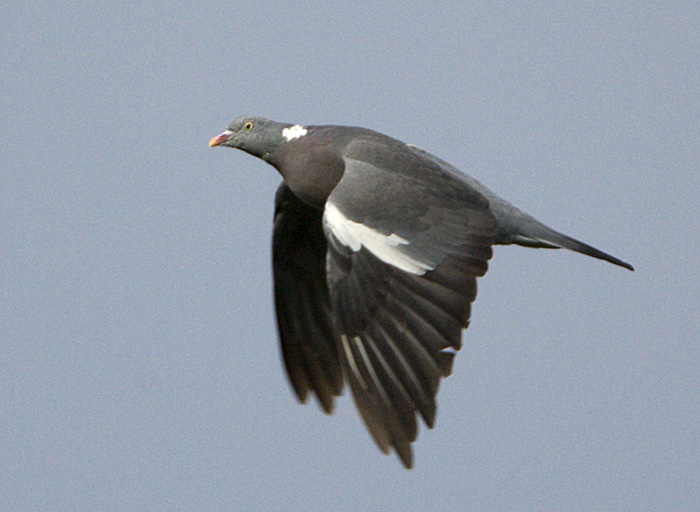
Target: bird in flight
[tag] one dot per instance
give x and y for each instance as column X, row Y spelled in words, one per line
column 376, row 248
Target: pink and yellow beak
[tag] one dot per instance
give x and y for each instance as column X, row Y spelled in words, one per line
column 220, row 139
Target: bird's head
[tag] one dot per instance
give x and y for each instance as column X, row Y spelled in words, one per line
column 255, row 135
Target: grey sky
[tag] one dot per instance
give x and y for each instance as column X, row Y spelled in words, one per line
column 140, row 367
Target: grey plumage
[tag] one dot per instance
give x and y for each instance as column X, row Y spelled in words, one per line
column 377, row 246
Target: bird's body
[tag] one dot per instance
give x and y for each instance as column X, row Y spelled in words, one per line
column 376, row 249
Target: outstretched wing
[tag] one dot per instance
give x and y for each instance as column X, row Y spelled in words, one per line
column 407, row 241
column 304, row 322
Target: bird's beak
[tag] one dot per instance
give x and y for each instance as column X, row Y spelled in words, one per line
column 220, row 139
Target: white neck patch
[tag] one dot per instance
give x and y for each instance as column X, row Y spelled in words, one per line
column 294, row 132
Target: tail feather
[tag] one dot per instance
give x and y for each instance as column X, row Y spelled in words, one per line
column 539, row 235
column 517, row 227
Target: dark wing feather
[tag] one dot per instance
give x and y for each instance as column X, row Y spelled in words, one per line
column 407, row 242
column 304, row 320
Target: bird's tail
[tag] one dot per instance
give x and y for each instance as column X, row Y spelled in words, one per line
column 536, row 234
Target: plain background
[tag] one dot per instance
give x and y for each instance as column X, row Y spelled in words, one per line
column 139, row 367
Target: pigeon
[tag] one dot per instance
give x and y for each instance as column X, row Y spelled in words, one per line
column 376, row 249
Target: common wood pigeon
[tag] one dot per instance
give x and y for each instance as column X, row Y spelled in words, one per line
column 376, row 249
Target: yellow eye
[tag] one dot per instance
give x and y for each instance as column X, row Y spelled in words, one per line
column 248, row 125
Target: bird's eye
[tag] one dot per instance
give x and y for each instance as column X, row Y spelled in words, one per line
column 248, row 126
